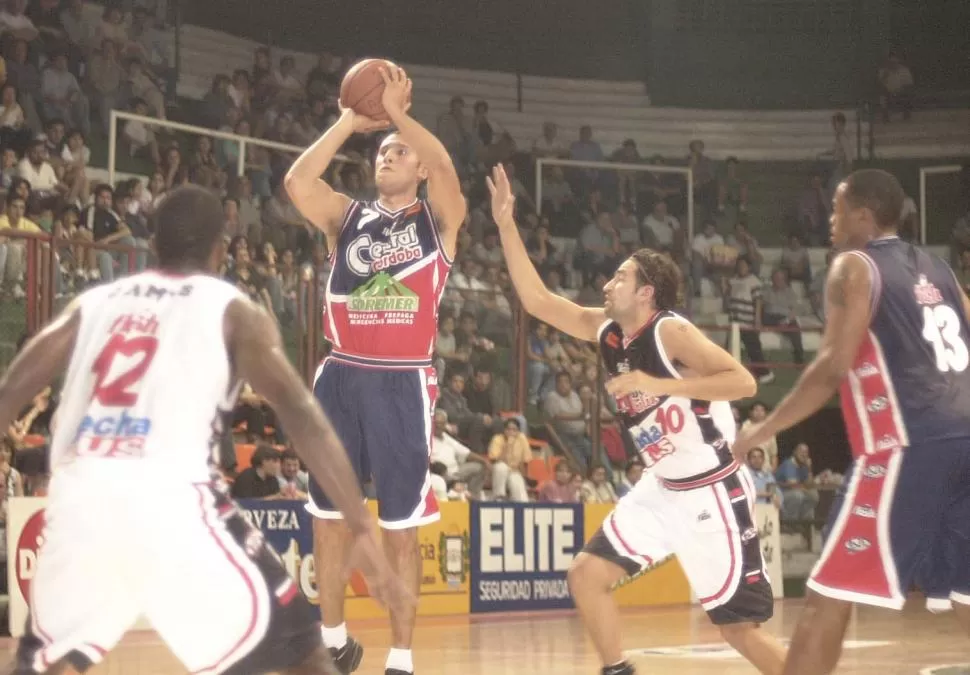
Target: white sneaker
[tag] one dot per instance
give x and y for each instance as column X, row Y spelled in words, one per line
column 766, row 378
column 18, row 292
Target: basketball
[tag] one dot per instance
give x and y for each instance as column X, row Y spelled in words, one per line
column 363, row 86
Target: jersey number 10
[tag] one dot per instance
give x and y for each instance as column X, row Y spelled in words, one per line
column 941, row 328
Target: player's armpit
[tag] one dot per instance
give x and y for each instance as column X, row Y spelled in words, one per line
column 43, row 357
column 257, row 354
column 714, row 375
column 848, row 312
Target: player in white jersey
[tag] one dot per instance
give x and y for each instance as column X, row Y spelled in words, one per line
column 671, row 386
column 136, row 523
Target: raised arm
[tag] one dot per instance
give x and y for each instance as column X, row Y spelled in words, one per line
column 317, row 201
column 444, row 187
column 848, row 312
column 710, row 373
column 43, row 357
column 539, row 301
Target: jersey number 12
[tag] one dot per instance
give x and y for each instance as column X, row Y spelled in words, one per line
column 121, row 390
column 941, row 328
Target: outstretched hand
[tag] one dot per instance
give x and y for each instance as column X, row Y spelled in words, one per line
column 383, row 584
column 362, row 124
column 503, row 201
column 397, row 91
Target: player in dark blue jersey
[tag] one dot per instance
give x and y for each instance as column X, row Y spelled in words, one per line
column 895, row 341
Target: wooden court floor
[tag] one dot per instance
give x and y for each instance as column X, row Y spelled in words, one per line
column 670, row 640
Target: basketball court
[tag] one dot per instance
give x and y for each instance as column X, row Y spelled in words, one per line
column 673, row 640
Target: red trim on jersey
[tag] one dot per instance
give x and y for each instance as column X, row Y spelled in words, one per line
column 701, row 482
column 873, row 418
column 875, row 279
column 629, row 549
column 100, row 650
column 250, row 584
column 649, row 322
column 286, row 593
column 734, row 557
column 857, row 563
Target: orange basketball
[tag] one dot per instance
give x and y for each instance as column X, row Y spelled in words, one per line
column 363, row 86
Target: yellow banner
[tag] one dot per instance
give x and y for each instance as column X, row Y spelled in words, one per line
column 665, row 585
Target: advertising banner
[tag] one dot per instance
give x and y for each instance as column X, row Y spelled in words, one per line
column 521, row 553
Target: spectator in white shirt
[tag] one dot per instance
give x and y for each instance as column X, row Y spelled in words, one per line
column 896, row 87
column 663, row 227
column 288, row 85
column 549, row 144
column 701, row 263
column 63, row 97
column 39, row 173
column 461, row 464
column 14, row 23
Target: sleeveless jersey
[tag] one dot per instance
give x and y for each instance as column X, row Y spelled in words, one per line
column 909, row 383
column 682, row 440
column 389, row 273
column 149, row 379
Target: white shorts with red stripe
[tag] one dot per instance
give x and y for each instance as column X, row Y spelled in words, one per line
column 711, row 531
column 119, row 547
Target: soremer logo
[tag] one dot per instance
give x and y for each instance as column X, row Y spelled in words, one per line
column 383, row 293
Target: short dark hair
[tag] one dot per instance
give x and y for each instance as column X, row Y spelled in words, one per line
column 264, row 453
column 514, row 421
column 103, row 187
column 880, row 192
column 289, row 453
column 658, row 270
column 754, row 450
column 188, row 226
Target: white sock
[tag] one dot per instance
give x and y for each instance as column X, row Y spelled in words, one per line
column 335, row 637
column 400, row 659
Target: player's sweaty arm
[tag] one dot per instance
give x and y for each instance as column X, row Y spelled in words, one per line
column 847, row 315
column 539, row 301
column 316, row 200
column 444, row 186
column 45, row 356
column 714, row 374
column 257, row 354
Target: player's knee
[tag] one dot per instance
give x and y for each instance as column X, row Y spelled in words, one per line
column 401, row 542
column 586, row 574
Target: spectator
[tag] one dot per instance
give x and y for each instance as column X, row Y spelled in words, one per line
column 549, row 144
column 62, row 95
column 253, row 411
column 565, row 410
column 627, row 153
column 543, row 252
column 631, row 476
column 141, row 140
column 472, row 427
column 105, row 76
column 137, row 228
column 455, row 133
column 841, row 154
column 39, row 173
column 703, row 261
column 216, row 103
column 766, row 488
column 24, row 75
column 731, row 190
column 140, row 85
column 13, row 251
column 289, row 89
column 510, row 455
column 817, row 287
column 780, row 308
column 486, row 131
column 81, row 30
column 795, row 261
column 15, row 23
column 283, row 224
column 240, row 90
column 489, row 250
column 204, row 169
column 814, row 208
column 461, row 464
column 599, row 247
column 556, row 191
column 895, row 87
column 45, row 15
column 596, row 489
column 560, row 490
column 14, row 133
column 799, row 496
column 744, row 307
column 324, row 78
column 8, row 168
column 746, row 245
column 248, row 280
column 538, row 367
column 113, row 26
column 756, row 414
column 586, row 150
column 294, row 481
column 101, row 224
column 625, row 224
column 661, row 227
column 259, row 481
column 11, row 485
column 261, row 63
column 151, row 48
column 482, row 396
column 704, row 178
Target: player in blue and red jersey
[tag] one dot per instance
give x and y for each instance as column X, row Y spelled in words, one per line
column 896, row 343
column 391, row 259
